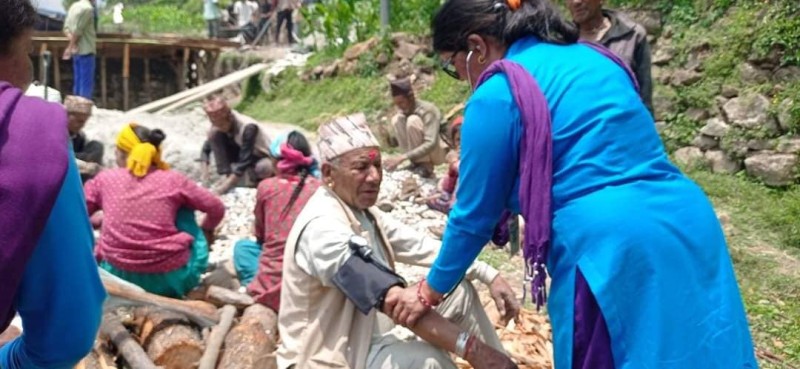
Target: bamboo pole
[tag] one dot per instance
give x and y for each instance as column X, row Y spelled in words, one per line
column 126, row 74
column 104, row 81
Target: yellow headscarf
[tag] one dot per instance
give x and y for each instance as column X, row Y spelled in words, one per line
column 141, row 155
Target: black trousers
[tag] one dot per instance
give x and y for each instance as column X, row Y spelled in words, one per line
column 285, row 16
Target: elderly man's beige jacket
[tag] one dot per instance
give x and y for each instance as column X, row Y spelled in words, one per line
column 319, row 326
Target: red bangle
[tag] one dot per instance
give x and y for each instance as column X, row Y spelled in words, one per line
column 468, row 346
column 422, row 299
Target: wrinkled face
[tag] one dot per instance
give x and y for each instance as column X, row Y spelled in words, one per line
column 77, row 121
column 404, row 103
column 15, row 65
column 356, row 177
column 222, row 120
column 584, row 10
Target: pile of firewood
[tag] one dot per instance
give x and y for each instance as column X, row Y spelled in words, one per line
column 220, row 329
column 527, row 340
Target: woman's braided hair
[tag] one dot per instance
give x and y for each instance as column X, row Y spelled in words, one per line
column 299, row 142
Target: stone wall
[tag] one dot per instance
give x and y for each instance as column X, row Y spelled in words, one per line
column 747, row 125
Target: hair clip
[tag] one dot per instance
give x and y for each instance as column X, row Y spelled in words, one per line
column 514, row 4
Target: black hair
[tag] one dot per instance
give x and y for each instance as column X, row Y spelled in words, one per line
column 457, row 19
column 16, row 16
column 299, row 142
column 152, row 136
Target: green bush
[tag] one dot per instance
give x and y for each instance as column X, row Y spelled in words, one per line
column 343, row 22
column 158, row 18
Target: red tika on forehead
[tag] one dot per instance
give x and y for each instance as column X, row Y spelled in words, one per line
column 373, row 154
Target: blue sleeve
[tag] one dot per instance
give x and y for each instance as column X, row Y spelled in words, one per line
column 490, row 138
column 60, row 299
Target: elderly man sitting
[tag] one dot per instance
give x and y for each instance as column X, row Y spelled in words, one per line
column 89, row 154
column 339, row 273
column 239, row 145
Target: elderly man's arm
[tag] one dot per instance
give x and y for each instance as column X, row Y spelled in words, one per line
column 415, row 248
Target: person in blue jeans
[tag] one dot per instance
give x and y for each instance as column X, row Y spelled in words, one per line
column 48, row 275
column 81, row 30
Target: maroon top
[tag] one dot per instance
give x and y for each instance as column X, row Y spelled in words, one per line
column 138, row 232
column 273, row 230
column 34, row 156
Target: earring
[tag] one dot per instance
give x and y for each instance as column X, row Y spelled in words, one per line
column 481, row 59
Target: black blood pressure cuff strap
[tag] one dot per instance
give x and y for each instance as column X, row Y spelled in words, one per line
column 365, row 282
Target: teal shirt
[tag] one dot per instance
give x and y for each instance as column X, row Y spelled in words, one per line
column 644, row 236
column 61, row 297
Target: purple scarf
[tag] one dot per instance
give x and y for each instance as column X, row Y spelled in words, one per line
column 536, row 163
column 33, row 164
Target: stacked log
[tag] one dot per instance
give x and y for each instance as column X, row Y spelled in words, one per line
column 251, row 344
column 169, row 338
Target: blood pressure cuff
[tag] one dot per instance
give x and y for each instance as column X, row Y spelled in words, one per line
column 365, row 281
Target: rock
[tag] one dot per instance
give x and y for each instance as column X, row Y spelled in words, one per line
column 729, row 91
column 317, row 71
column 750, row 74
column 738, row 147
column 785, row 114
column 697, row 114
column 661, row 126
column 689, row 156
column 651, row 20
column 349, row 67
column 760, row 145
column 406, row 51
column 660, row 74
column 685, row 78
column 720, row 162
column 664, row 55
column 715, row 127
column 354, row 52
column 386, row 206
column 704, row 142
column 789, row 146
column 787, row 74
column 382, row 59
column 664, row 101
column 749, row 111
column 695, row 62
column 773, row 169
column 768, row 61
column 331, row 70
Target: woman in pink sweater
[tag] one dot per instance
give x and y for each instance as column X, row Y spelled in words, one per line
column 149, row 235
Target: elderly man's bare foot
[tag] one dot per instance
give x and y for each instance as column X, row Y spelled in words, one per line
column 482, row 356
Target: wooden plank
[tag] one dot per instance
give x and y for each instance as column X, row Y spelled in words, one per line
column 147, row 90
column 113, row 330
column 206, row 89
column 125, row 294
column 56, row 69
column 217, row 337
column 126, row 74
column 104, row 81
column 42, row 70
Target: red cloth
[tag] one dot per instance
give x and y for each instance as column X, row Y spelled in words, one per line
column 451, row 179
column 272, row 197
column 138, row 233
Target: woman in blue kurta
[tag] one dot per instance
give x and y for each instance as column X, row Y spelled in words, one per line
column 555, row 129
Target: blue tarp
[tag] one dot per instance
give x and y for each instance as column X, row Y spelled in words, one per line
column 50, row 8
